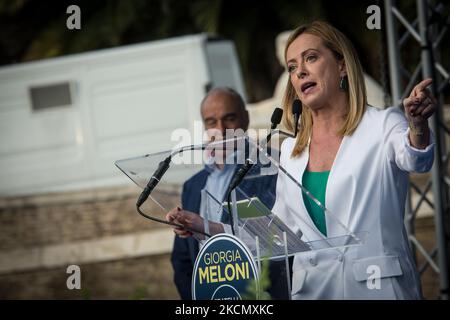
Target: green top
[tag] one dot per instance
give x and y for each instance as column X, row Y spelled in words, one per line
column 316, row 183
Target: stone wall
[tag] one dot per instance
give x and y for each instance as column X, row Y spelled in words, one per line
column 32, row 221
column 140, row 278
column 91, row 224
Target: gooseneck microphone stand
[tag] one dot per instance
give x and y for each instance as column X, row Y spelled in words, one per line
column 154, row 180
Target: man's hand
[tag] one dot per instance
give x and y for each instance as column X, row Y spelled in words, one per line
column 185, row 218
column 192, row 221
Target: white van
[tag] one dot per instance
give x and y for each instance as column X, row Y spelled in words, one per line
column 64, row 121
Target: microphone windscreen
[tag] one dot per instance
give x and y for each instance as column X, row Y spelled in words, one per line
column 276, row 116
column 297, row 107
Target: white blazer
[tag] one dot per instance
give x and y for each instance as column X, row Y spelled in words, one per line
column 366, row 191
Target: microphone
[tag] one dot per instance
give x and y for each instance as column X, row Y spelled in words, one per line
column 160, row 171
column 240, row 174
column 296, row 111
column 162, row 168
column 154, row 180
column 276, row 117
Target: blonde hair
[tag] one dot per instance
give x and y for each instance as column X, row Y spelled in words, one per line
column 341, row 48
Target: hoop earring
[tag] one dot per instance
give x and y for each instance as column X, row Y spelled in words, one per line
column 343, row 84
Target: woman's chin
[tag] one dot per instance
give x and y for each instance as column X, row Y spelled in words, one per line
column 313, row 105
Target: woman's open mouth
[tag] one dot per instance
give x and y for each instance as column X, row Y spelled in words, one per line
column 307, row 87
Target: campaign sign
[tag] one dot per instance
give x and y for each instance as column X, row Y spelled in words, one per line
column 224, row 270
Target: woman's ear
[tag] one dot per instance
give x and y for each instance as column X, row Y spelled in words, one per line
column 342, row 68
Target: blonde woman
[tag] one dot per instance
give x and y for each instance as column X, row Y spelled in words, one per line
column 355, row 159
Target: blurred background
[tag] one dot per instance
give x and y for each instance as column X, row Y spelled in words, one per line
column 73, row 101
column 32, row 30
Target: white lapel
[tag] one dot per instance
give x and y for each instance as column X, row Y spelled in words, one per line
column 336, row 220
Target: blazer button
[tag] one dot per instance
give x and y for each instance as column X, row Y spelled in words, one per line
column 312, row 262
column 341, row 258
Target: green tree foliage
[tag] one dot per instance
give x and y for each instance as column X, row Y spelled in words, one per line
column 36, row 29
column 257, row 290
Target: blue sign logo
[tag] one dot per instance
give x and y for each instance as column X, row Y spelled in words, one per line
column 224, row 270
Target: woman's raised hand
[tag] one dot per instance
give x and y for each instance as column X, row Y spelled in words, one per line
column 420, row 105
